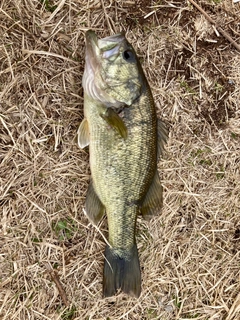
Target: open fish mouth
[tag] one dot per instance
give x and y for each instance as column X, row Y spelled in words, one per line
column 92, row 50
column 111, row 43
column 97, row 50
column 107, row 76
column 106, row 47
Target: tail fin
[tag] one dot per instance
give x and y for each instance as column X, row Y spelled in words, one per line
column 121, row 272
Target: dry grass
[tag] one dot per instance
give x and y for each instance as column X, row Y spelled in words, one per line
column 190, row 253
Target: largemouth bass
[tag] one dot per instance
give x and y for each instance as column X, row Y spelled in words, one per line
column 125, row 139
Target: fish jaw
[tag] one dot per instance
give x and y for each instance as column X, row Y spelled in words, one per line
column 108, row 77
column 92, row 51
column 91, row 75
column 108, row 46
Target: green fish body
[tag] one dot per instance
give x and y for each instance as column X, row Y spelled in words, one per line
column 125, row 138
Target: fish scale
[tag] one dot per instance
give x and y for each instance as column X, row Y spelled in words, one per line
column 125, row 158
column 123, row 150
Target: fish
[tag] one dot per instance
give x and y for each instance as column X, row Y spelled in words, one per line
column 125, row 140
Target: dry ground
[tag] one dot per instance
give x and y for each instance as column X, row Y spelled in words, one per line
column 190, row 253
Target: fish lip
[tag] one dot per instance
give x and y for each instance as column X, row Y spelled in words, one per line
column 111, row 41
column 91, row 38
column 91, row 44
column 96, row 47
column 96, row 51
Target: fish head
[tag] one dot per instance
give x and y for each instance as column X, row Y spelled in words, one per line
column 113, row 74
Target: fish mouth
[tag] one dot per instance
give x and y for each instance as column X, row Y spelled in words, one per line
column 95, row 79
column 92, row 49
column 105, row 47
column 110, row 42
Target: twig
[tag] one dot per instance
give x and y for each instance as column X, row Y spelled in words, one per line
column 224, row 33
column 234, row 308
column 107, row 18
column 47, row 53
column 55, row 278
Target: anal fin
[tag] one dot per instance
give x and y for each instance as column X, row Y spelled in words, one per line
column 94, row 207
column 162, row 137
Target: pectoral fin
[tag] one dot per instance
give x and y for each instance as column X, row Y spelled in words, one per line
column 94, row 207
column 116, row 122
column 153, row 199
column 162, row 137
column 83, row 134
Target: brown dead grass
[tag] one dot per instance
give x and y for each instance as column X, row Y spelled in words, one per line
column 190, row 253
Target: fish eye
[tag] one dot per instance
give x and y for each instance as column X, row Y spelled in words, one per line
column 128, row 56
